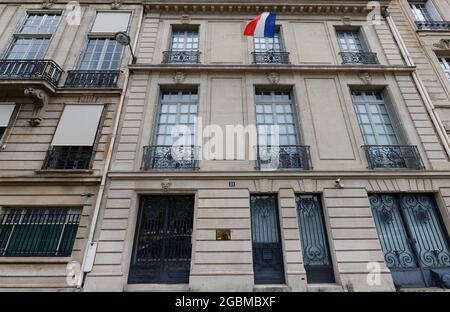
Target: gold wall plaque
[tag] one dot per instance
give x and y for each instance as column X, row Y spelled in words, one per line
column 223, row 234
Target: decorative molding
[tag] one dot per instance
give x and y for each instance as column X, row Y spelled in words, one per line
column 116, row 4
column 40, row 101
column 291, row 7
column 47, row 4
column 366, row 78
column 165, row 185
column 273, row 78
column 185, row 19
column 443, row 44
column 347, row 20
column 179, row 77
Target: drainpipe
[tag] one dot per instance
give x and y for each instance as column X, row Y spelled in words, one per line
column 437, row 123
column 91, row 246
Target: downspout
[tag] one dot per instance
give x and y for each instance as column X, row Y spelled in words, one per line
column 437, row 123
column 91, row 246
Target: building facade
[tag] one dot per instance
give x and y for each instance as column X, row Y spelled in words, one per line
column 190, row 188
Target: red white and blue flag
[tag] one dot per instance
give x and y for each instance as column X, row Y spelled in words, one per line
column 262, row 26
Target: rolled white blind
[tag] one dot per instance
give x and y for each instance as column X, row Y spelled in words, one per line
column 78, row 125
column 6, row 111
column 111, row 22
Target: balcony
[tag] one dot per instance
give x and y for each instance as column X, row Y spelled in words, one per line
column 365, row 58
column 68, row 158
column 435, row 25
column 45, row 70
column 170, row 157
column 283, row 157
column 270, row 57
column 92, row 79
column 181, row 57
column 393, row 157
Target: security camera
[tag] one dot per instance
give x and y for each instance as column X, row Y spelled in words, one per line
column 339, row 184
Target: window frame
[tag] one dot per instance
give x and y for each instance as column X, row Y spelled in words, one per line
column 365, row 48
column 18, row 34
column 184, row 28
column 278, row 30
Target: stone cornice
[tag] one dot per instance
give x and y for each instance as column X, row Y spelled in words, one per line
column 251, row 7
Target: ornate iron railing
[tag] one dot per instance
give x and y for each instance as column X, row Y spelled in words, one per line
column 433, row 24
column 170, row 157
column 92, row 79
column 393, row 157
column 37, row 234
column 270, row 57
column 69, row 157
column 46, row 70
column 368, row 58
column 283, row 157
column 187, row 57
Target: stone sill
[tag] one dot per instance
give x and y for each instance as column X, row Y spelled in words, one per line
column 271, row 288
column 324, row 288
column 156, row 287
column 34, row 260
column 65, row 171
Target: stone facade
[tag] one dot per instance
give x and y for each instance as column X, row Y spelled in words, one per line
column 225, row 79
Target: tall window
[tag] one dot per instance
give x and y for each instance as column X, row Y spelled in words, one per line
column 263, row 44
column 184, row 40
column 6, row 112
column 33, row 37
column 373, row 118
column 350, row 41
column 102, row 54
column 445, row 64
column 274, row 108
column 177, row 108
column 425, row 11
column 38, row 232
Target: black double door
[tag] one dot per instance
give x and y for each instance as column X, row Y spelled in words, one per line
column 163, row 242
column 268, row 263
column 413, row 238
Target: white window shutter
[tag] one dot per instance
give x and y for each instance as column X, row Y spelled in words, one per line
column 6, row 111
column 78, row 125
column 111, row 22
column 429, row 5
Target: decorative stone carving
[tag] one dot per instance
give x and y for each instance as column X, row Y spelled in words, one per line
column 47, row 4
column 185, row 19
column 165, row 185
column 179, row 77
column 443, row 44
column 273, row 78
column 346, row 20
column 116, row 4
column 366, row 78
column 40, row 101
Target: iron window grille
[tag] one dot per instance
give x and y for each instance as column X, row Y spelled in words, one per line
column 283, row 157
column 427, row 17
column 270, row 50
column 184, row 46
column 393, row 157
column 69, row 158
column 92, row 79
column 170, row 157
column 46, row 70
column 353, row 49
column 36, row 232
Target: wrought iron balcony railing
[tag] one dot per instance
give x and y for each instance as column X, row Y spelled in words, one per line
column 184, row 57
column 393, row 157
column 69, row 158
column 170, row 157
column 283, row 157
column 433, row 24
column 46, row 70
column 37, row 234
column 92, row 79
column 270, row 57
column 367, row 58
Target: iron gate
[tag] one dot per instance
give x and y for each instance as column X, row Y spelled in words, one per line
column 413, row 239
column 267, row 251
column 315, row 250
column 162, row 248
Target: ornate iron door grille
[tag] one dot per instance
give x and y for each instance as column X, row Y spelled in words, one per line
column 162, row 248
column 412, row 237
column 267, row 251
column 316, row 253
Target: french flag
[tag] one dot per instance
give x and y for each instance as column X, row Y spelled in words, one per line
column 262, row 26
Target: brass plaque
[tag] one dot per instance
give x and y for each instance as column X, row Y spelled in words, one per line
column 223, row 234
